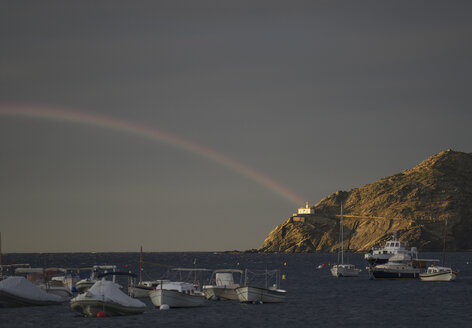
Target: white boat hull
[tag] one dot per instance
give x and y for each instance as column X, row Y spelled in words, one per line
column 340, row 271
column 441, row 276
column 138, row 291
column 220, row 293
column 83, row 285
column 91, row 308
column 257, row 294
column 8, row 299
column 174, row 298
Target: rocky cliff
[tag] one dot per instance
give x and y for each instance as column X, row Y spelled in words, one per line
column 415, row 203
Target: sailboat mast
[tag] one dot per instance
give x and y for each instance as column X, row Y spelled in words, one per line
column 141, row 265
column 342, row 236
column 444, row 244
column 1, row 253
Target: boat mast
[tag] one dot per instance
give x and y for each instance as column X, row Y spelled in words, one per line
column 342, row 236
column 444, row 243
column 141, row 266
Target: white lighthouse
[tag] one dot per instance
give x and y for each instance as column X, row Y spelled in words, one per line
column 306, row 210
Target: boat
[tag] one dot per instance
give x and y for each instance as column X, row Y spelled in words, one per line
column 399, row 266
column 440, row 273
column 107, row 298
column 18, row 291
column 143, row 288
column 179, row 294
column 343, row 269
column 224, row 287
column 83, row 285
column 381, row 255
column 43, row 279
column 257, row 294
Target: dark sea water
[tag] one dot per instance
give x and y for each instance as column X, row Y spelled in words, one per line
column 314, row 299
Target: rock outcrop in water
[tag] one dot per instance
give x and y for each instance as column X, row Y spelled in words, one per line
column 415, row 203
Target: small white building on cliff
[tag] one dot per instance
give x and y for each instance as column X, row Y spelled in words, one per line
column 307, row 209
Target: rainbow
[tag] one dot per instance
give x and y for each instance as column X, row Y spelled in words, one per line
column 145, row 131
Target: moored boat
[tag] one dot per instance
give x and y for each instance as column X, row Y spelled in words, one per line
column 18, row 291
column 250, row 294
column 105, row 296
column 177, row 294
column 399, row 266
column 224, row 287
column 381, row 255
column 438, row 273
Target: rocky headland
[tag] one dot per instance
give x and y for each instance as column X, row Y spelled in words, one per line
column 415, row 204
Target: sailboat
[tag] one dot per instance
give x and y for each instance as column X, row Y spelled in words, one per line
column 143, row 288
column 343, row 269
column 440, row 273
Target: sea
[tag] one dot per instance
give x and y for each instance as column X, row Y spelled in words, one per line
column 314, row 297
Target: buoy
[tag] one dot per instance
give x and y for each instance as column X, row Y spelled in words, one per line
column 164, row 307
column 101, row 314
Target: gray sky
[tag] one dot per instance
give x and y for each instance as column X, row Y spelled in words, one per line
column 318, row 95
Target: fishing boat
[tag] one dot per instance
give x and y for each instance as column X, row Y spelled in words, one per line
column 224, row 287
column 440, row 273
column 251, row 293
column 143, row 288
column 343, row 269
column 179, row 294
column 18, row 291
column 105, row 296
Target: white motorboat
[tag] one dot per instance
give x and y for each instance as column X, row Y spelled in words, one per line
column 18, row 291
column 343, row 269
column 399, row 266
column 224, row 287
column 83, row 285
column 381, row 255
column 438, row 273
column 105, row 296
column 177, row 294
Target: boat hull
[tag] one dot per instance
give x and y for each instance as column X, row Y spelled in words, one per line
column 220, row 293
column 174, row 298
column 344, row 272
column 91, row 308
column 138, row 291
column 257, row 294
column 441, row 276
column 11, row 300
column 394, row 274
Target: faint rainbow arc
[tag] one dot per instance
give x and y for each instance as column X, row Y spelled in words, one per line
column 142, row 130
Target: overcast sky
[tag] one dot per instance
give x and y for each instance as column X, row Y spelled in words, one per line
column 320, row 96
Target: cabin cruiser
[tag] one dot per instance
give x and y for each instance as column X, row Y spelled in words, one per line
column 438, row 273
column 18, row 291
column 381, row 255
column 224, row 287
column 105, row 296
column 399, row 266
